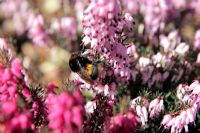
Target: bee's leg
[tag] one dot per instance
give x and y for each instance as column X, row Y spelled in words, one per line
column 86, row 52
column 98, row 60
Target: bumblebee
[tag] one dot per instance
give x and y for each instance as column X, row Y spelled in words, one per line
column 87, row 69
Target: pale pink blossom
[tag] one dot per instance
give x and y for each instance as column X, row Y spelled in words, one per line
column 197, row 39
column 181, row 91
column 90, row 106
column 36, row 30
column 176, row 121
column 65, row 26
column 140, row 106
column 10, row 7
column 198, row 58
column 132, row 6
column 195, row 6
column 155, row 14
column 166, row 119
column 159, row 60
column 156, row 107
column 131, row 51
column 180, row 4
column 144, row 61
column 182, row 49
column 189, row 93
column 169, row 42
column 129, row 21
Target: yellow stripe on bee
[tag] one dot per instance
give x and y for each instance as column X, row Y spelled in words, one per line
column 89, row 69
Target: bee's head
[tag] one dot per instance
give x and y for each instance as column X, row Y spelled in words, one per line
column 73, row 63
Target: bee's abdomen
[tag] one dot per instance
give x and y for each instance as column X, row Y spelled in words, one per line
column 94, row 73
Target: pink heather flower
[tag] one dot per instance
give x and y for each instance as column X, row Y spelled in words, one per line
column 149, row 66
column 181, row 91
column 67, row 26
column 197, row 39
column 16, row 68
column 129, row 20
column 51, row 87
column 195, row 6
column 155, row 14
column 131, row 50
column 79, row 6
column 180, row 4
column 132, row 6
column 11, row 6
column 182, row 49
column 21, row 121
column 198, row 58
column 155, row 79
column 126, row 123
column 173, row 45
column 101, row 114
column 195, row 87
column 9, row 80
column 177, row 122
column 8, row 107
column 19, row 18
column 90, row 107
column 12, row 88
column 36, row 30
column 190, row 93
column 13, row 118
column 26, row 94
column 140, row 106
column 150, row 75
column 144, row 61
column 159, row 59
column 169, row 42
column 147, row 73
column 18, row 10
column 166, row 119
column 187, row 94
column 106, row 90
column 156, row 107
column 65, row 112
column 103, row 28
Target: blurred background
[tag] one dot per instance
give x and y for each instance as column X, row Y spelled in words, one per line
column 43, row 33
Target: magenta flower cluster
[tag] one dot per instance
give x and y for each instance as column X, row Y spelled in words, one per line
column 126, row 123
column 65, row 112
column 13, row 88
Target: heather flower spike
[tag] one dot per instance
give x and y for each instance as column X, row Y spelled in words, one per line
column 103, row 27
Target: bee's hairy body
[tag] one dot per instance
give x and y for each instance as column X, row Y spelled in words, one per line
column 84, row 67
